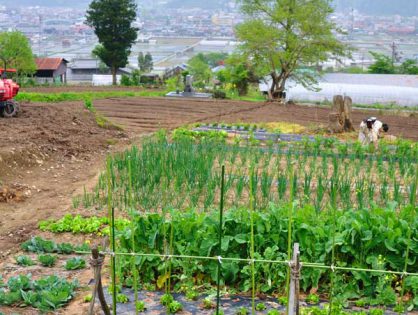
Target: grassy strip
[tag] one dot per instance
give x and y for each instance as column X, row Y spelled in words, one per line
column 80, row 96
column 251, row 97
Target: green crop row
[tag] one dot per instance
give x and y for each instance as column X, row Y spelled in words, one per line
column 81, row 96
column 77, row 224
column 370, row 239
column 186, row 173
column 46, row 294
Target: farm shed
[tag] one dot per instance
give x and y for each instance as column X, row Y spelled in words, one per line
column 52, row 70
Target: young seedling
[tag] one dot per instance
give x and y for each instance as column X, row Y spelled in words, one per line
column 260, row 307
column 208, row 303
column 312, row 299
column 47, row 260
column 75, row 263
column 166, row 299
column 192, row 295
column 140, row 306
column 242, row 311
column 175, row 307
column 282, row 300
column 122, row 298
column 25, row 261
column 87, row 298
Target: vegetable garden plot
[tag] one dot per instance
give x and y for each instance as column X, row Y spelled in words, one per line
column 353, row 247
column 184, row 174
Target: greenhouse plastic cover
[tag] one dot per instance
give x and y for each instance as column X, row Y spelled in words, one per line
column 363, row 89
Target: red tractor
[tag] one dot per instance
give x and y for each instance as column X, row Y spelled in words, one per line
column 8, row 90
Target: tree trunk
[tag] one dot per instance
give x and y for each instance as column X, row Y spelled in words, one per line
column 348, row 122
column 276, row 92
column 340, row 116
column 114, row 70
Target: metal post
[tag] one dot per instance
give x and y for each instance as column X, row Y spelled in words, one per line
column 293, row 304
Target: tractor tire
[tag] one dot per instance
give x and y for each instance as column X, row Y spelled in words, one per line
column 11, row 109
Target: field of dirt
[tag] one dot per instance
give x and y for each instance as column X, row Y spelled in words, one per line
column 147, row 114
column 52, row 151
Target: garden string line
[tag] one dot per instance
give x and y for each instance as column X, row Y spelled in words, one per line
column 251, row 261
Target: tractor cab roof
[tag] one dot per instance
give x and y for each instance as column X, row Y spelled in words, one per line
column 7, row 70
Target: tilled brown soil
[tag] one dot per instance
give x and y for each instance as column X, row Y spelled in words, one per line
column 149, row 114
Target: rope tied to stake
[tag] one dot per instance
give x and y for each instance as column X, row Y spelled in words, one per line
column 97, row 262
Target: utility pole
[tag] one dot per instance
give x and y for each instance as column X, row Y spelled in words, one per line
column 395, row 53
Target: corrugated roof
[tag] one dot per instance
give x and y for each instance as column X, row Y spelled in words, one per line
column 49, row 63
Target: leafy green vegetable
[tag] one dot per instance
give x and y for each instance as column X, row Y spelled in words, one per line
column 87, row 298
column 47, row 260
column 192, row 295
column 39, row 245
column 24, row 260
column 260, row 307
column 242, row 311
column 48, row 293
column 166, row 299
column 75, row 263
column 122, row 298
column 175, row 307
column 208, row 303
column 140, row 306
column 312, row 299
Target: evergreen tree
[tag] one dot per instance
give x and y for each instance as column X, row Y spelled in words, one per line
column 112, row 24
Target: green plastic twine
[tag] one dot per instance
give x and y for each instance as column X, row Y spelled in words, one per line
column 289, row 236
column 333, row 209
column 134, row 270
column 221, row 210
column 111, row 212
column 252, row 239
column 405, row 269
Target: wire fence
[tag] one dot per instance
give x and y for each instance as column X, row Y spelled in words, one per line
column 113, row 252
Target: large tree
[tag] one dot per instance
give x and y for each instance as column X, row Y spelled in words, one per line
column 16, row 51
column 112, row 24
column 282, row 36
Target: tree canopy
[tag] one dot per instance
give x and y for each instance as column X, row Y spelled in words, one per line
column 198, row 67
column 145, row 63
column 15, row 49
column 238, row 72
column 384, row 65
column 281, row 36
column 112, row 24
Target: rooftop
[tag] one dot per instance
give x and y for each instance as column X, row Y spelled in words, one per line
column 49, row 63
